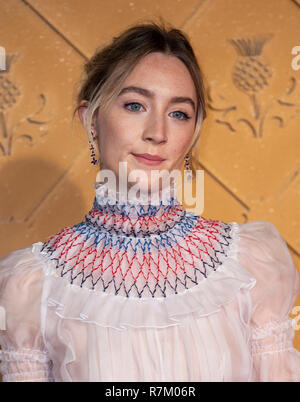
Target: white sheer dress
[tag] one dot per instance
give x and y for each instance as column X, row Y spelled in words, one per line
column 150, row 293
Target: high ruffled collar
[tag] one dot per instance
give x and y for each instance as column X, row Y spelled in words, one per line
column 132, row 216
column 137, row 250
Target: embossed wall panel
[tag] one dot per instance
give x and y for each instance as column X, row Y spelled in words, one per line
column 38, row 145
column 250, row 142
column 90, row 23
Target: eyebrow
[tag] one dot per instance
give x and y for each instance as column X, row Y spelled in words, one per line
column 150, row 94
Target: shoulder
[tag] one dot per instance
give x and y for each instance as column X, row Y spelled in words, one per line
column 10, row 262
column 262, row 239
column 29, row 260
column 261, row 228
column 21, row 286
column 20, row 270
column 264, row 253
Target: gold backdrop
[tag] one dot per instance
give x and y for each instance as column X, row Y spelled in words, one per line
column 249, row 146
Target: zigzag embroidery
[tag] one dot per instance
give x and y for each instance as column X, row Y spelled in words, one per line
column 95, row 255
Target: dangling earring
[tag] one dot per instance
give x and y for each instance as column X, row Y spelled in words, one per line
column 188, row 171
column 92, row 149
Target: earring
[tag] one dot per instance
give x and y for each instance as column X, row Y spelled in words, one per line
column 92, row 149
column 188, row 171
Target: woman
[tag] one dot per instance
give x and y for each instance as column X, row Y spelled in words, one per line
column 140, row 290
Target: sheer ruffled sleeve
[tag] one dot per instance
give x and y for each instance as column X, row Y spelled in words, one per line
column 23, row 356
column 264, row 253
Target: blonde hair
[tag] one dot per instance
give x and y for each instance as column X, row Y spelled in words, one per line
column 106, row 71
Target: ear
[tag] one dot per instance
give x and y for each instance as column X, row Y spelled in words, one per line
column 82, row 110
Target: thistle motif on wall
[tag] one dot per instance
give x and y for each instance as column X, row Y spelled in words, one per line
column 252, row 75
column 9, row 95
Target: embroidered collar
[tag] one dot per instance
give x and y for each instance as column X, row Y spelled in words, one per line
column 136, row 250
column 135, row 217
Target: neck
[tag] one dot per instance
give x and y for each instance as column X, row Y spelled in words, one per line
column 123, row 196
column 129, row 215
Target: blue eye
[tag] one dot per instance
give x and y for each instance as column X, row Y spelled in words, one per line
column 186, row 117
column 132, row 103
column 136, row 109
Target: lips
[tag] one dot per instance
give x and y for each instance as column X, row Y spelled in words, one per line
column 147, row 159
column 150, row 157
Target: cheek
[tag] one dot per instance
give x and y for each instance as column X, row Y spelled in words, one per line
column 115, row 145
column 181, row 148
column 111, row 137
column 117, row 133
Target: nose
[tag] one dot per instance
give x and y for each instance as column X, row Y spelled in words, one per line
column 156, row 129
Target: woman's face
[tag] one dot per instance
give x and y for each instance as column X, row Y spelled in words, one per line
column 154, row 114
